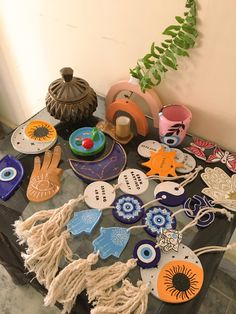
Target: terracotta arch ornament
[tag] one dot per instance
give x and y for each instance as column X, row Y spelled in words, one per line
column 133, row 109
column 150, row 97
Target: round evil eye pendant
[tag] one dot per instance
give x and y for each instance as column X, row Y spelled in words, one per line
column 128, row 209
column 158, row 218
column 8, row 174
column 147, row 254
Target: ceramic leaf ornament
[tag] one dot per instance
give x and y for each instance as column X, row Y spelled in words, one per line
column 45, row 179
column 221, row 187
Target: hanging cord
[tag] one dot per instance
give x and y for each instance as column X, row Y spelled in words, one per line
column 208, row 249
column 161, row 178
column 182, row 210
column 192, row 176
column 225, row 203
column 152, row 201
column 204, row 211
column 137, row 227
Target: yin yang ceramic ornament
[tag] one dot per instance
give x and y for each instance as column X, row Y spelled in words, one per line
column 11, row 176
column 178, row 277
column 31, row 144
column 133, row 181
column 189, row 164
column 170, row 193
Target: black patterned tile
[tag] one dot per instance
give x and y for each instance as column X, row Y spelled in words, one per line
column 214, row 303
column 225, row 284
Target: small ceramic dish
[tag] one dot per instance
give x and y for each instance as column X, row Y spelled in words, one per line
column 105, row 169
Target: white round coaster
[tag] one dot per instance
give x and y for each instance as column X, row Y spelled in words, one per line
column 189, row 164
column 133, row 181
column 146, row 147
column 178, row 277
column 167, row 148
column 179, row 155
column 23, row 144
column 99, row 195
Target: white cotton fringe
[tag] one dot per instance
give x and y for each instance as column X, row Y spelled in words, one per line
column 125, row 300
column 42, row 226
column 45, row 260
column 104, row 278
column 70, row 282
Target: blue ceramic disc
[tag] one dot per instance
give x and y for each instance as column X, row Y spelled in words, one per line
column 128, row 209
column 76, row 138
column 157, row 218
column 171, row 193
column 146, row 254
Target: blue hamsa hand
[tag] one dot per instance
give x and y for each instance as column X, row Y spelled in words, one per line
column 84, row 221
column 111, row 241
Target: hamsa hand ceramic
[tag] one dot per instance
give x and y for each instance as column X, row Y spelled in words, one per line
column 221, row 187
column 45, row 180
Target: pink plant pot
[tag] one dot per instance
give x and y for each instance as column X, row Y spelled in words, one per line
column 174, row 121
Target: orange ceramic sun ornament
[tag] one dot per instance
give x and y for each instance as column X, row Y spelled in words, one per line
column 162, row 163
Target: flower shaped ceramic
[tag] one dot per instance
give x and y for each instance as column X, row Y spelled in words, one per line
column 221, row 187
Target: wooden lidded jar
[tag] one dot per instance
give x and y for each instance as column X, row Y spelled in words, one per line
column 70, row 98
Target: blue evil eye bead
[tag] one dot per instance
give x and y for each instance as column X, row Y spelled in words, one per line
column 170, row 194
column 196, row 203
column 128, row 209
column 11, row 176
column 158, row 218
column 8, row 174
column 146, row 254
column 170, row 140
column 112, row 241
column 84, row 221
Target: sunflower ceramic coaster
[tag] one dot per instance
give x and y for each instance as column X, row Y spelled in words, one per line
column 178, row 277
column 40, row 131
column 31, row 143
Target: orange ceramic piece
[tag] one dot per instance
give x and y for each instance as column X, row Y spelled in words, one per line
column 150, row 97
column 179, row 281
column 40, row 131
column 45, row 180
column 133, row 109
column 162, row 163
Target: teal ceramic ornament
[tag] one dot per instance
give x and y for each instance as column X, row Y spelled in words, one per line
column 84, row 221
column 112, row 241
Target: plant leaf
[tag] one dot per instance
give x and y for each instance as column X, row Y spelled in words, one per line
column 171, row 28
column 179, row 19
column 164, row 45
column 181, row 43
column 156, row 74
column 171, row 56
column 159, row 49
column 190, row 29
column 168, row 62
column 153, row 51
column 187, row 39
column 178, row 51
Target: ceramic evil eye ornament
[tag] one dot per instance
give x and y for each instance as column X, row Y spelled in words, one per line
column 147, row 254
column 170, row 193
column 196, row 203
column 157, row 218
column 162, row 163
column 220, row 187
column 178, row 277
column 111, row 241
column 133, row 181
column 11, row 175
column 128, row 209
column 84, row 221
column 87, row 141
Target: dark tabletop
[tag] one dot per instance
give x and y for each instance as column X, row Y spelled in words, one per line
column 218, row 233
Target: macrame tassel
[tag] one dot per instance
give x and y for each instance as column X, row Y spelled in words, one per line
column 104, row 278
column 40, row 234
column 70, row 282
column 45, row 260
column 125, row 300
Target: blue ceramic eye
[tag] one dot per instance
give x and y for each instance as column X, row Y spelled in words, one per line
column 128, row 209
column 8, row 174
column 11, row 175
column 170, row 140
column 146, row 254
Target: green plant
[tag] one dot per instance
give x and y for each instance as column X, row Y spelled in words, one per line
column 182, row 36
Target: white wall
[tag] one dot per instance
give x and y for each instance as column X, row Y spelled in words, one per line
column 102, row 39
